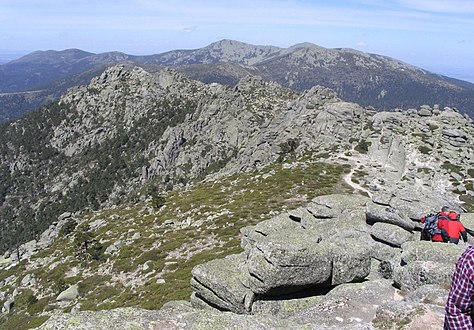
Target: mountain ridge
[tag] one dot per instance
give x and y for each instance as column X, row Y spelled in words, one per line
column 364, row 78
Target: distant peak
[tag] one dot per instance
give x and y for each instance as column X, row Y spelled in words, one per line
column 43, row 56
column 227, row 42
column 306, row 45
column 234, row 43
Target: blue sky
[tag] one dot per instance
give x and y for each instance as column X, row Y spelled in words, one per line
column 434, row 34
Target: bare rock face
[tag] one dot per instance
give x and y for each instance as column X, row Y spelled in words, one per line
column 426, row 263
column 391, row 234
column 288, row 262
column 427, row 251
column 350, row 261
column 221, row 283
column 376, row 213
column 419, row 273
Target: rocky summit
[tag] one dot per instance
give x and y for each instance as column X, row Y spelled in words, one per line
column 167, row 203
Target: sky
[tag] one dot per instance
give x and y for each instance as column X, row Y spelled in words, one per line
column 437, row 35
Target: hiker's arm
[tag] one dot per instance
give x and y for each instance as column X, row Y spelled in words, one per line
column 444, row 235
column 463, row 232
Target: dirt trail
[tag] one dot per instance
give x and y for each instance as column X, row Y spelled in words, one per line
column 356, row 186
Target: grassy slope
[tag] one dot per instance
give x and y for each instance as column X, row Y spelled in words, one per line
column 192, row 227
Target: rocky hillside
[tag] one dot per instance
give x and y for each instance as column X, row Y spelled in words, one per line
column 129, row 183
column 367, row 79
column 131, row 134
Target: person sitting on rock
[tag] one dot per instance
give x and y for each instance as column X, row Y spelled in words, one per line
column 430, row 226
column 455, row 228
column 441, row 234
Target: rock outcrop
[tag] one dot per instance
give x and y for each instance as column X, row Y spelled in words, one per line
column 332, row 264
column 294, row 263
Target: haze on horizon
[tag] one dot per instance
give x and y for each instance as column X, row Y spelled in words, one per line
column 433, row 34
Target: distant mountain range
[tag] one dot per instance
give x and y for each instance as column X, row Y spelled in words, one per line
column 368, row 79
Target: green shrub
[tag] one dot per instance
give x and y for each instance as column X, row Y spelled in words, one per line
column 83, row 237
column 470, row 172
column 59, row 285
column 96, row 251
column 424, row 150
column 22, row 321
column 38, row 306
column 68, row 228
column 450, row 167
column 25, row 299
column 157, row 199
column 363, row 146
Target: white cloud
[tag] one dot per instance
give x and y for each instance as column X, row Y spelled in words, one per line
column 189, row 29
column 440, row 6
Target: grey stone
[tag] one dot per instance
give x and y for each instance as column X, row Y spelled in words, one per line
column 411, row 205
column 28, row 280
column 455, row 133
column 76, row 308
column 428, row 294
column 347, row 306
column 176, row 315
column 5, row 261
column 220, row 283
column 381, row 251
column 7, row 306
column 136, row 236
column 351, row 261
column 287, row 262
column 376, row 213
column 331, row 206
column 64, row 216
column 461, row 188
column 382, row 198
column 456, row 176
column 391, row 234
column 111, row 249
column 424, row 112
column 260, row 232
column 395, row 313
column 115, row 247
column 418, row 273
column 70, row 293
column 467, row 220
column 431, row 251
column 97, row 224
column 284, row 308
column 386, row 268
